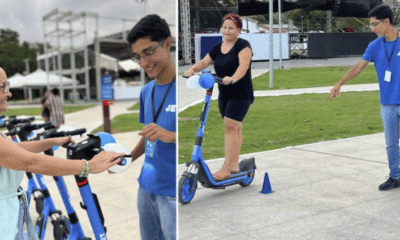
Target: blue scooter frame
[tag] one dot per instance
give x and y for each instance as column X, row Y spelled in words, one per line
column 46, row 208
column 198, row 171
column 87, row 149
column 64, row 227
column 33, row 189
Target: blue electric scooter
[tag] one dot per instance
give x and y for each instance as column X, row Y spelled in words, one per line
column 68, row 228
column 196, row 169
column 87, row 149
column 64, row 228
column 33, row 189
column 46, row 207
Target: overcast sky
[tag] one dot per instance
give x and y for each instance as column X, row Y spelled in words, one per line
column 25, row 16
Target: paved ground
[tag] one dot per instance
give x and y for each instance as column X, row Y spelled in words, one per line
column 116, row 193
column 322, row 191
column 326, row 190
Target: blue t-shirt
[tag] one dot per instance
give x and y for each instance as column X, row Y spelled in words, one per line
column 158, row 173
column 389, row 91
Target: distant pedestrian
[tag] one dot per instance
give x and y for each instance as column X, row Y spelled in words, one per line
column 45, row 104
column 56, row 111
column 384, row 52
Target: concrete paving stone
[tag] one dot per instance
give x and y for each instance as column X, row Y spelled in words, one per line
column 385, row 209
column 337, row 166
column 375, row 139
column 373, row 177
column 250, row 211
column 334, row 193
column 330, row 226
column 348, row 148
column 199, row 229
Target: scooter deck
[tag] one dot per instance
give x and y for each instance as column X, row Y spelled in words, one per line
column 233, row 176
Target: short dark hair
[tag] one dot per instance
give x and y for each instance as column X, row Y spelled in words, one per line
column 151, row 26
column 381, row 12
column 55, row 91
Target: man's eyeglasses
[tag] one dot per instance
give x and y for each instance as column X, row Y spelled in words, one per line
column 373, row 25
column 5, row 86
column 147, row 52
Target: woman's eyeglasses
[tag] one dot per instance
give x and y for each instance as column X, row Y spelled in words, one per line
column 5, row 86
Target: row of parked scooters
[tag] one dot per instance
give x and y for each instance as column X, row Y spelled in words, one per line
column 64, row 227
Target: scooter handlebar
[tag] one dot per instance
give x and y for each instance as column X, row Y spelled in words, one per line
column 24, row 120
column 79, row 131
column 39, row 125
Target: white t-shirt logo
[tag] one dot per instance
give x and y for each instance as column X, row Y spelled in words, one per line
column 170, row 108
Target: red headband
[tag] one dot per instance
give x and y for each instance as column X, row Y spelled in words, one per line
column 235, row 19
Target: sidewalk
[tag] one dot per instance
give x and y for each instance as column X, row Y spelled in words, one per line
column 116, row 193
column 326, row 190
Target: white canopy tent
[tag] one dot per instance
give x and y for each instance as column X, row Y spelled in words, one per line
column 113, row 64
column 38, row 79
column 129, row 65
column 16, row 81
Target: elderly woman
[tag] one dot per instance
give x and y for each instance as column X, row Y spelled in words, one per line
column 15, row 159
column 232, row 63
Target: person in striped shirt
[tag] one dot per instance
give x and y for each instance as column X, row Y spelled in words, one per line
column 56, row 111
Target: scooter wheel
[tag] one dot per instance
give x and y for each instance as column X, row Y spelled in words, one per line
column 62, row 228
column 186, row 192
column 247, row 181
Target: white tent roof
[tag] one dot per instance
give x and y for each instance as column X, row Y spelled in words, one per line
column 39, row 79
column 16, row 81
column 129, row 65
column 111, row 63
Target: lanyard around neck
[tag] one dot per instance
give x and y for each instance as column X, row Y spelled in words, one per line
column 155, row 115
column 389, row 58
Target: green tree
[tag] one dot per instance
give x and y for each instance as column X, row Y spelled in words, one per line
column 13, row 54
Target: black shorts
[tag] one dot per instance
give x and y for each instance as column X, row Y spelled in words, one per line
column 46, row 113
column 235, row 109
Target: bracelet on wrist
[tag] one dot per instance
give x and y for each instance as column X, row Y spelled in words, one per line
column 85, row 169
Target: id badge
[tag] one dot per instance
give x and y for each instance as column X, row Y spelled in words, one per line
column 150, row 149
column 388, row 75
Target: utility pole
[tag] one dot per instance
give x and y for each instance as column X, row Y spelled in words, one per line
column 271, row 45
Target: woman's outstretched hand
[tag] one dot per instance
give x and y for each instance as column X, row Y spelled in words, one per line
column 104, row 160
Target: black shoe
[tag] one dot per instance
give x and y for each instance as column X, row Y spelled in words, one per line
column 389, row 184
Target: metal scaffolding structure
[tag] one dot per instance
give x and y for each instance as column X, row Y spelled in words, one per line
column 73, row 47
column 65, row 35
column 187, row 21
column 186, row 34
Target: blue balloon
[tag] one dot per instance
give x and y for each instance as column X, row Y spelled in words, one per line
column 206, row 80
column 105, row 138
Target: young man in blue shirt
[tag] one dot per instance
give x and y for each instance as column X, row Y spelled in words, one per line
column 151, row 42
column 384, row 52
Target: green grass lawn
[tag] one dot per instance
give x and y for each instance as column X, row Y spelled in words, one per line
column 38, row 111
column 278, row 122
column 134, row 106
column 312, row 77
column 123, row 123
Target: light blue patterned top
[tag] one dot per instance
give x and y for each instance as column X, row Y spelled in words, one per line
column 9, row 204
